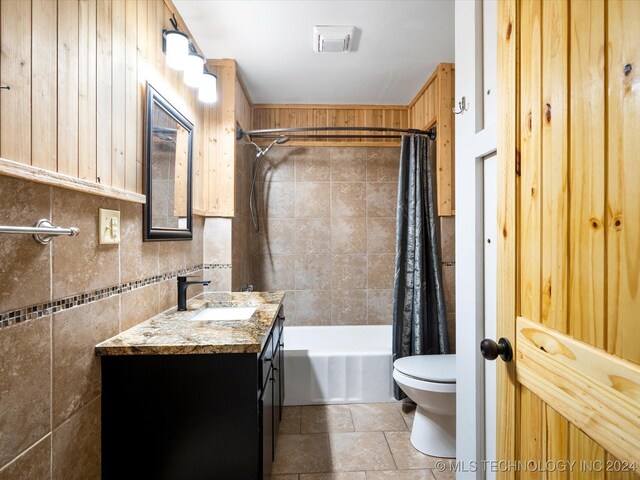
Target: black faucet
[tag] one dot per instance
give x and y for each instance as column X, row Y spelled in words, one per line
column 182, row 291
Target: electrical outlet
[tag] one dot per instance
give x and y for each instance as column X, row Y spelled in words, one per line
column 109, row 227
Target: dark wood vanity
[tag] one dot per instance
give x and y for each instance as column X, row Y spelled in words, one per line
column 193, row 416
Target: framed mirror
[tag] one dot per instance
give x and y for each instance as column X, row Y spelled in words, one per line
column 169, row 139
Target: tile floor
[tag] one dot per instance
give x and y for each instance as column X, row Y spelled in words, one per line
column 350, row 442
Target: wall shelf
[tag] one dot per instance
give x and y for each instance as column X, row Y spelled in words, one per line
column 55, row 179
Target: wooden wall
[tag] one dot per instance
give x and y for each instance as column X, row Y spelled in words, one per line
column 244, row 106
column 214, row 180
column 305, row 115
column 422, row 109
column 77, row 71
column 432, row 107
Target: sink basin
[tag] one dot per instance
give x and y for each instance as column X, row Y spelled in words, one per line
column 225, row 313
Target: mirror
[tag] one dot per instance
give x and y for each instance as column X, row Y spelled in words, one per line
column 169, row 139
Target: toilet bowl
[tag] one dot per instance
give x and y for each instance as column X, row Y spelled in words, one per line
column 430, row 381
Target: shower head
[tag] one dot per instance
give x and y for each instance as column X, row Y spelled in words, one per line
column 278, row 141
column 261, row 152
column 256, row 166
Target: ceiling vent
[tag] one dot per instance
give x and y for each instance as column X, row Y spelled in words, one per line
column 332, row 39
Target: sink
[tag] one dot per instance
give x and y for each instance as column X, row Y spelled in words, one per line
column 225, row 313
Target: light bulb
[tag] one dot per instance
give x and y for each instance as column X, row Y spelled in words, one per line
column 208, row 92
column 176, row 49
column 193, row 70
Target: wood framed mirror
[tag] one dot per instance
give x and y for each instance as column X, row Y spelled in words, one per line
column 168, row 143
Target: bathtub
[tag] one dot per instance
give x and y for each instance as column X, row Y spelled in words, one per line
column 338, row 364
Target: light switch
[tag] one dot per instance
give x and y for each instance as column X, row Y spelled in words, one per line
column 109, row 226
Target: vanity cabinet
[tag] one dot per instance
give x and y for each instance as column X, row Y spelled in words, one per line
column 272, row 399
column 193, row 416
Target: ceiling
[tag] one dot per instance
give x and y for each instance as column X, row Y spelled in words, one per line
column 400, row 43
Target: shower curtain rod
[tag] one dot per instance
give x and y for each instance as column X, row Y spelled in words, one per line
column 277, row 132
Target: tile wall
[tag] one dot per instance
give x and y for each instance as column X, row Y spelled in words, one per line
column 49, row 376
column 328, row 218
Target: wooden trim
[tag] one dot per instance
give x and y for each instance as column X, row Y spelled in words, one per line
column 595, row 390
column 221, row 62
column 426, row 85
column 508, row 135
column 55, row 179
column 330, row 106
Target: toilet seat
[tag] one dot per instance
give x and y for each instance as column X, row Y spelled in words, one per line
column 428, row 368
column 423, row 385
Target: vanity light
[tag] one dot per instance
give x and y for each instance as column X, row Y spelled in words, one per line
column 176, row 48
column 208, row 91
column 194, row 70
column 181, row 55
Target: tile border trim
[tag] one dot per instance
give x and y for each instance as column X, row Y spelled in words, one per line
column 33, row 312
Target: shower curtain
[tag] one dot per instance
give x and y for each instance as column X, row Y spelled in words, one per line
column 419, row 313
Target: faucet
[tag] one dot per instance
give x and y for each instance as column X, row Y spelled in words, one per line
column 182, row 291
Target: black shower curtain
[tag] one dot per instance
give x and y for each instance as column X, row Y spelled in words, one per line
column 419, row 313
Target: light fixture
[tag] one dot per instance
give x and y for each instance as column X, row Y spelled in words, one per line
column 208, row 91
column 181, row 55
column 176, row 48
column 194, row 70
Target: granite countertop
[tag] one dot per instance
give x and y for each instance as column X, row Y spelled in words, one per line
column 173, row 333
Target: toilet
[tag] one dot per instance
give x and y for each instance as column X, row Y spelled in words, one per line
column 430, row 381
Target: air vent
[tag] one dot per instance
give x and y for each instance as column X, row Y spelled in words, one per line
column 332, row 39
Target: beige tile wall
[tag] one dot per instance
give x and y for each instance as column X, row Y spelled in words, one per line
column 49, row 376
column 328, row 215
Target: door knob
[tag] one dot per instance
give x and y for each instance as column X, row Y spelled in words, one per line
column 490, row 350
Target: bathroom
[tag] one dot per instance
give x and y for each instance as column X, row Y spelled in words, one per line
column 285, row 208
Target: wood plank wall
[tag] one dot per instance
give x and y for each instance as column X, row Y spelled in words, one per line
column 244, row 106
column 422, row 109
column 580, row 225
column 432, row 107
column 216, row 197
column 266, row 116
column 77, row 71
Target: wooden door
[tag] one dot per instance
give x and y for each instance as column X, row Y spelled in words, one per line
column 569, row 237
